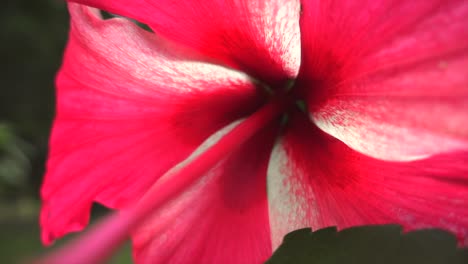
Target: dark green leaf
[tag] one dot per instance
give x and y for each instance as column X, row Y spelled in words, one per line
column 369, row 245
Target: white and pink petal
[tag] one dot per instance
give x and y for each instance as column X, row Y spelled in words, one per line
column 394, row 84
column 129, row 107
column 261, row 38
column 221, row 218
column 314, row 180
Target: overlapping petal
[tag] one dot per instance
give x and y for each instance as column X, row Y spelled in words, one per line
column 315, row 180
column 130, row 106
column 388, row 78
column 259, row 37
column 222, row 218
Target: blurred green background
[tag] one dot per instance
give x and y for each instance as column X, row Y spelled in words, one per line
column 33, row 37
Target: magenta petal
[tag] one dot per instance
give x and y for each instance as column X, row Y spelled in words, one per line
column 343, row 39
column 127, row 111
column 222, row 218
column 315, row 180
column 388, row 78
column 257, row 37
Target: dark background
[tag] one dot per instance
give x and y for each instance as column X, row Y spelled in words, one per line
column 33, row 37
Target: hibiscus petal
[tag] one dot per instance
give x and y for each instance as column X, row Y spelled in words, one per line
column 222, row 218
column 128, row 109
column 258, row 37
column 393, row 84
column 315, row 180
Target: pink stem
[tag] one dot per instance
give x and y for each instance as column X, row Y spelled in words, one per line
column 98, row 244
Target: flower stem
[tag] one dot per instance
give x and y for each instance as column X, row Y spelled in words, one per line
column 98, row 244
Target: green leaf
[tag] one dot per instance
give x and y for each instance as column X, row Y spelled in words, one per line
column 369, row 245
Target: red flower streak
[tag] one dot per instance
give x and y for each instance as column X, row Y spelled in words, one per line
column 377, row 133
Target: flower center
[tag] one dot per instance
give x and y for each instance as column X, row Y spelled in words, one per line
column 292, row 97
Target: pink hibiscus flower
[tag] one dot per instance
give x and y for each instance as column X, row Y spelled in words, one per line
column 236, row 122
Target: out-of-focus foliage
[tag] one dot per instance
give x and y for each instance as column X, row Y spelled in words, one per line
column 33, row 36
column 32, row 41
column 14, row 160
